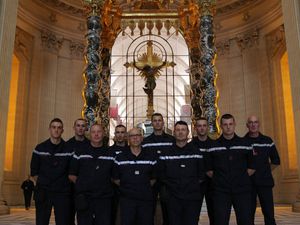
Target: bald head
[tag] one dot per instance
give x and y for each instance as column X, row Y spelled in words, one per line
column 253, row 125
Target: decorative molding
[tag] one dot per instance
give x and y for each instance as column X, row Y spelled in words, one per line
column 247, row 40
column 246, row 16
column 218, row 26
column 52, row 18
column 244, row 41
column 223, row 47
column 129, row 6
column 64, row 7
column 275, row 40
column 146, row 26
column 81, row 27
column 51, row 41
column 77, row 49
column 23, row 43
column 235, row 6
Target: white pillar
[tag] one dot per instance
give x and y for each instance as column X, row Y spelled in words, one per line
column 8, row 20
column 291, row 18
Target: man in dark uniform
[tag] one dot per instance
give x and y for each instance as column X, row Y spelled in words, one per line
column 49, row 168
column 182, row 169
column 267, row 159
column 118, row 147
column 90, row 170
column 158, row 142
column 74, row 143
column 203, row 143
column 27, row 187
column 134, row 171
column 232, row 164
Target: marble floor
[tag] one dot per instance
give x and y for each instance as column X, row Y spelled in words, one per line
column 284, row 216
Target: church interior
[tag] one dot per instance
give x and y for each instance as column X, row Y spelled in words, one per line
column 250, row 47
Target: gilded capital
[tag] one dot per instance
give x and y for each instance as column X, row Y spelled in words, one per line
column 92, row 7
column 207, row 7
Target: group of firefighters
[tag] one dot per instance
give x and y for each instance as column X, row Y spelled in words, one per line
column 86, row 178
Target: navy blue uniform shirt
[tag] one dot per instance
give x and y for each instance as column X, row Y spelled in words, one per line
column 135, row 173
column 50, row 163
column 116, row 149
column 203, row 146
column 266, row 153
column 93, row 168
column 158, row 143
column 183, row 171
column 230, row 160
column 74, row 145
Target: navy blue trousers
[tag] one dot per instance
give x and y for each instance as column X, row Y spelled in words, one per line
column 98, row 212
column 265, row 196
column 61, row 205
column 241, row 202
column 136, row 212
column 183, row 212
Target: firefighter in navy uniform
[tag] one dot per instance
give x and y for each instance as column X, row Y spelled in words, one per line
column 135, row 172
column 267, row 159
column 158, row 142
column 90, row 170
column 182, row 169
column 203, row 143
column 120, row 145
column 49, row 169
column 232, row 164
column 74, row 143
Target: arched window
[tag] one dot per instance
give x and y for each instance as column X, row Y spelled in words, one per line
column 171, row 95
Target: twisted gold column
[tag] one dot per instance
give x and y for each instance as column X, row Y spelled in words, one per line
column 208, row 75
column 92, row 71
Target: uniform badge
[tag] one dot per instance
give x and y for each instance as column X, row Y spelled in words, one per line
column 182, row 166
column 136, row 172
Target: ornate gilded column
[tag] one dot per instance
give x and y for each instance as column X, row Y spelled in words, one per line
column 92, row 71
column 104, row 90
column 208, row 89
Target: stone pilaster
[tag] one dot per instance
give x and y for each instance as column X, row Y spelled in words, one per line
column 8, row 20
column 291, row 17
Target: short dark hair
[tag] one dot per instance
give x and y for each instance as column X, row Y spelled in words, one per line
column 181, row 122
column 226, row 117
column 156, row 114
column 56, row 120
column 120, row 125
column 82, row 119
